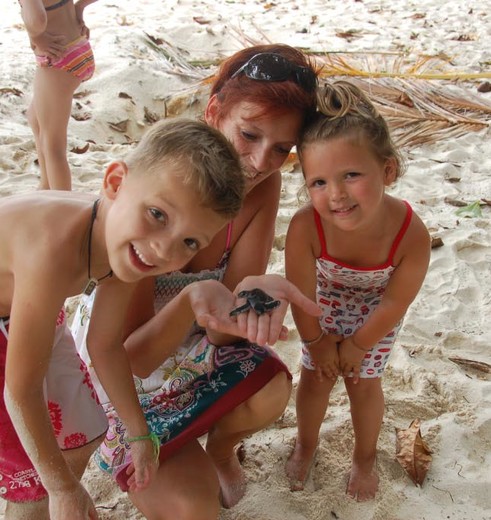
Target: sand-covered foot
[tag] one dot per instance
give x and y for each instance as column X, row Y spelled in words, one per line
column 298, row 466
column 232, row 481
column 363, row 483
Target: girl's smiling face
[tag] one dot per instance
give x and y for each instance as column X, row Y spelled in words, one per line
column 155, row 223
column 263, row 141
column 346, row 181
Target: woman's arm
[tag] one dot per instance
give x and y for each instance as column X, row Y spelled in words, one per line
column 250, row 253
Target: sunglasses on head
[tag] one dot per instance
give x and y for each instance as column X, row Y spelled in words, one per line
column 269, row 66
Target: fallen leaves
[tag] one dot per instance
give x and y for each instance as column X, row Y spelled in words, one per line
column 470, row 365
column 412, row 453
column 11, row 90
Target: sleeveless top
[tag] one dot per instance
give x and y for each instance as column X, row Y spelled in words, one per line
column 348, row 291
column 168, row 286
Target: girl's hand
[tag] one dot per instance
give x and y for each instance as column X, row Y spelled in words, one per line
column 350, row 358
column 48, row 44
column 268, row 328
column 144, row 464
column 325, row 356
column 75, row 504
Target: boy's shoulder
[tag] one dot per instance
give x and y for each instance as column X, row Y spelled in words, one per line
column 47, row 217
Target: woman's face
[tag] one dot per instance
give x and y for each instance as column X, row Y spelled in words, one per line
column 263, row 142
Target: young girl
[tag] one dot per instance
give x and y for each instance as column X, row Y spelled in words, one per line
column 59, row 39
column 363, row 254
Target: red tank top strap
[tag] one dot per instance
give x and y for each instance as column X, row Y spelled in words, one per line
column 229, row 236
column 402, row 232
column 320, row 233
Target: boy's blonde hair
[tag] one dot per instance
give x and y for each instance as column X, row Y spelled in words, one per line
column 343, row 110
column 203, row 157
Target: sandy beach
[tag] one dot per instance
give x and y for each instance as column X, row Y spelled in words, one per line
column 439, row 371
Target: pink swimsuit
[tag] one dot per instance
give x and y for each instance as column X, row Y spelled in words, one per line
column 348, row 295
column 77, row 59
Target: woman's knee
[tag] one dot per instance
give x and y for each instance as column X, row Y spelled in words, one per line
column 271, row 399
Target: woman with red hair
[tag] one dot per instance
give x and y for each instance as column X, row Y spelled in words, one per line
column 192, row 381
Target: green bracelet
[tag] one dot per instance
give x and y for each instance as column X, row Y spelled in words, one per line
column 150, row 437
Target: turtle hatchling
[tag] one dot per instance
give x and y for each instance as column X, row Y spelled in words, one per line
column 257, row 300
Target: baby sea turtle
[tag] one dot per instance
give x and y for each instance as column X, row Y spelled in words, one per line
column 257, row 300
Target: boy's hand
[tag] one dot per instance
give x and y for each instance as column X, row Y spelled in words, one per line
column 144, row 465
column 76, row 505
column 350, row 358
column 325, row 356
column 48, row 44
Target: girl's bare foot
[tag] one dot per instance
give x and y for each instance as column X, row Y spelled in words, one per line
column 363, row 482
column 232, row 481
column 298, row 466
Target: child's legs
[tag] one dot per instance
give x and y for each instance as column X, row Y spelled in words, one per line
column 34, row 124
column 312, row 400
column 367, row 411
column 50, row 113
column 78, row 458
column 185, row 488
column 27, row 510
column 311, row 405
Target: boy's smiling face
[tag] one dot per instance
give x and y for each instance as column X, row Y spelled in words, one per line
column 155, row 223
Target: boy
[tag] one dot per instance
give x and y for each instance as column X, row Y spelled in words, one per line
column 180, row 185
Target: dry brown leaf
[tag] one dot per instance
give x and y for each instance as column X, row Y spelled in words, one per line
column 436, row 242
column 471, row 363
column 82, row 116
column 149, row 116
column 455, row 202
column 412, row 453
column 11, row 90
column 201, row 20
column 122, row 126
column 80, row 150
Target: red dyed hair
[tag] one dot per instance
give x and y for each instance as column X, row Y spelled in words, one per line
column 274, row 96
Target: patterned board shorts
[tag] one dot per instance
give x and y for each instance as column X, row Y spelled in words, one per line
column 76, row 414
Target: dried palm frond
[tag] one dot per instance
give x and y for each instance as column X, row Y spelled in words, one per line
column 416, row 97
column 392, row 65
column 420, row 112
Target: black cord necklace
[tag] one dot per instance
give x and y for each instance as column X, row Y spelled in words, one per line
column 93, row 282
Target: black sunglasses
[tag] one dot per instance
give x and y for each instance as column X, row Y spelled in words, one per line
column 268, row 66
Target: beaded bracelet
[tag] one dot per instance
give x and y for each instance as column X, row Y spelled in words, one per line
column 150, row 437
column 313, row 341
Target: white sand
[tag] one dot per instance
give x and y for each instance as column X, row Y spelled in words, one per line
column 451, row 317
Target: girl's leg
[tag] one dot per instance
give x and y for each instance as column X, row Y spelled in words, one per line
column 252, row 415
column 185, row 487
column 312, row 400
column 77, row 460
column 34, row 124
column 367, row 412
column 49, row 116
